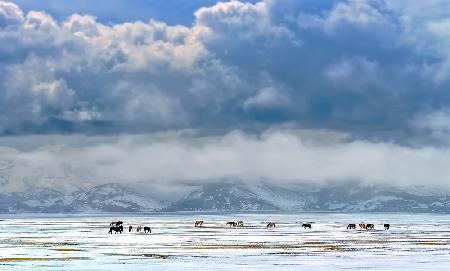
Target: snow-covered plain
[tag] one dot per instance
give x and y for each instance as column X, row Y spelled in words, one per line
column 414, row 242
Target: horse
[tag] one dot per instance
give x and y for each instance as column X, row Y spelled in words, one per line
column 116, row 229
column 270, row 225
column 198, row 223
column 147, row 230
column 240, row 223
column 362, row 226
column 130, row 228
column 139, row 228
column 386, row 227
column 116, row 223
column 351, row 226
column 231, row 224
column 306, row 225
column 370, row 227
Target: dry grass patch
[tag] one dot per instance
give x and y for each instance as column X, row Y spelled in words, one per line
column 430, row 243
column 42, row 244
column 248, row 246
column 232, row 246
column 324, row 246
column 157, row 256
column 66, row 249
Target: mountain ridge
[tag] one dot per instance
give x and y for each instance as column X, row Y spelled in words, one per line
column 226, row 196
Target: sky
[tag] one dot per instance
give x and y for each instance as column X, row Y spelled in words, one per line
column 280, row 90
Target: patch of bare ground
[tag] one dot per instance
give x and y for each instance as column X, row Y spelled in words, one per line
column 430, row 243
column 43, row 244
column 325, row 246
column 156, row 256
column 67, row 249
column 316, row 245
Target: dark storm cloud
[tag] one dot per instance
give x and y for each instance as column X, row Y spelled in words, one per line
column 355, row 66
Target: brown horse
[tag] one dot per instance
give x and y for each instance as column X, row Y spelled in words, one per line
column 198, row 223
column 362, row 226
column 270, row 225
column 139, row 228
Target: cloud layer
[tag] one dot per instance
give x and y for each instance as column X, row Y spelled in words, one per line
column 334, row 64
column 281, row 156
column 372, row 74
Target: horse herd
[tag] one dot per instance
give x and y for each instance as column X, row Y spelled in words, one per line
column 362, row 226
column 117, row 226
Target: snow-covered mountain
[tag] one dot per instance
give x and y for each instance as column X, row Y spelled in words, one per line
column 352, row 197
column 230, row 196
column 349, row 197
column 222, row 197
column 102, row 198
column 39, row 200
column 114, row 198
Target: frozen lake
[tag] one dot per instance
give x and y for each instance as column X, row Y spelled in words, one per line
column 414, row 242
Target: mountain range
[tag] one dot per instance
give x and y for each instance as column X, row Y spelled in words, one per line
column 230, row 196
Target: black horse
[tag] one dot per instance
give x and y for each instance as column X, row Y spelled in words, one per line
column 231, row 224
column 116, row 223
column 130, row 228
column 386, row 227
column 306, row 225
column 116, row 229
column 370, row 226
column 351, row 226
column 147, row 230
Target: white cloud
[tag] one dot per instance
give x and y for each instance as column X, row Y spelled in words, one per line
column 82, row 115
column 357, row 13
column 355, row 74
column 435, row 126
column 436, row 121
column 229, row 16
column 144, row 76
column 425, row 25
column 269, row 97
column 39, row 21
column 277, row 155
column 10, row 14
